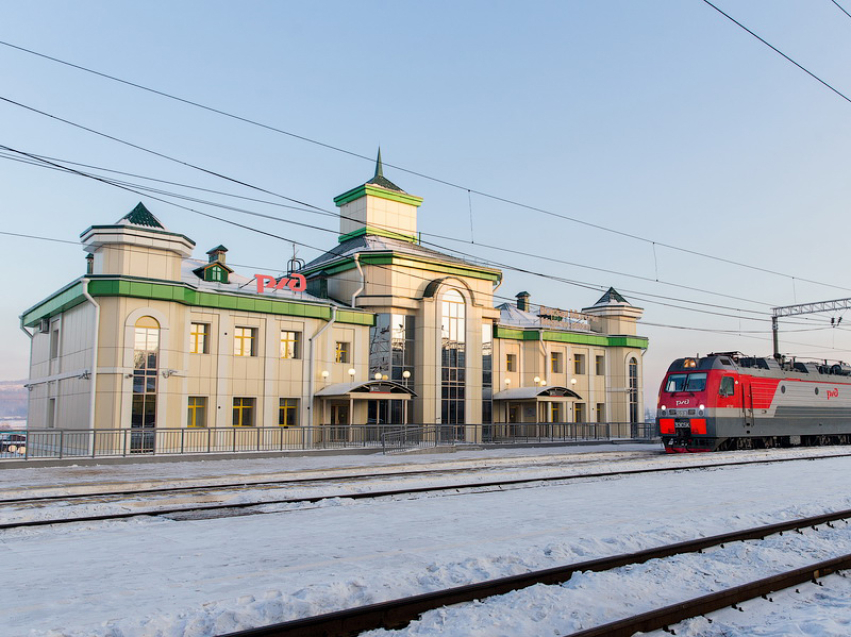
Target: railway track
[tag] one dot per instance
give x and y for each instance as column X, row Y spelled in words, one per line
column 398, row 613
column 257, row 507
column 283, row 483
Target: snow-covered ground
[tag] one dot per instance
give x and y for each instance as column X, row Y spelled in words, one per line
column 151, row 577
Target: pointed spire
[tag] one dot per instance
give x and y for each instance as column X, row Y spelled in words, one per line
column 379, row 179
column 379, row 169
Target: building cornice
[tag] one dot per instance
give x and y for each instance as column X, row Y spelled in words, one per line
column 376, row 191
column 156, row 290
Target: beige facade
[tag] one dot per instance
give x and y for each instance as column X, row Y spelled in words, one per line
column 386, row 332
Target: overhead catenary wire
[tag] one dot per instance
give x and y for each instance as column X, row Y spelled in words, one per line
column 55, row 164
column 504, row 266
column 429, row 177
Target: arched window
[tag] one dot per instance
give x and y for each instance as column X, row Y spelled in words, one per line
column 146, row 349
column 633, row 390
column 453, row 327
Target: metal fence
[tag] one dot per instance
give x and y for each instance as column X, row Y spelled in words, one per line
column 66, row 443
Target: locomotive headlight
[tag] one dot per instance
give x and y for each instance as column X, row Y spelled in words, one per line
column 701, row 408
column 663, row 408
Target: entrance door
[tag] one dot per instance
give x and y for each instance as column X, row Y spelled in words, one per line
column 339, row 422
column 513, row 413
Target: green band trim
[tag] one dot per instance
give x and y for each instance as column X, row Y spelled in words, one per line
column 394, row 259
column 62, row 301
column 182, row 293
column 599, row 340
column 369, row 230
column 375, row 191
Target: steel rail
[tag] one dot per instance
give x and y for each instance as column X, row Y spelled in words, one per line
column 284, row 482
column 676, row 613
column 398, row 613
column 365, row 495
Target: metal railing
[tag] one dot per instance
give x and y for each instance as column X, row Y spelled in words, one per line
column 68, row 443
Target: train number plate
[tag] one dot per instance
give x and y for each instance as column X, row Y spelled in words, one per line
column 682, row 422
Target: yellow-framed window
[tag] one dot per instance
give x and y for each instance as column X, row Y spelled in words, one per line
column 199, row 335
column 511, row 362
column 555, row 363
column 243, row 412
column 197, row 416
column 341, row 352
column 579, row 364
column 288, row 412
column 290, row 344
column 243, row 341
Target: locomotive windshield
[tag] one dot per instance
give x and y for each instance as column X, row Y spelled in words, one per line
column 686, row 382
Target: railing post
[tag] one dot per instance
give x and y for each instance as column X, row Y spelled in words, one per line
column 61, row 444
column 182, row 432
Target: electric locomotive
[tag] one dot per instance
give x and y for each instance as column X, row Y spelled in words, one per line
column 727, row 401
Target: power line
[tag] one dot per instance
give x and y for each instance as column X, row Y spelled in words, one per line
column 841, row 8
column 779, row 52
column 636, row 295
column 42, row 161
column 423, row 175
column 34, row 160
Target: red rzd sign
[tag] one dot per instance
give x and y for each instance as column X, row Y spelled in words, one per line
column 295, row 282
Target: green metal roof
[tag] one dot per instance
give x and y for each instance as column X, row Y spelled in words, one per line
column 141, row 216
column 611, row 296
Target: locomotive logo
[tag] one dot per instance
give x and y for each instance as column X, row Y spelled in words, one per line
column 682, row 402
column 833, row 393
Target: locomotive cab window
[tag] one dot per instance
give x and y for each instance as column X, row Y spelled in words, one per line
column 696, row 381
column 676, row 382
column 728, row 386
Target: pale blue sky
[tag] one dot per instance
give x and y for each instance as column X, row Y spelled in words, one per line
column 659, row 118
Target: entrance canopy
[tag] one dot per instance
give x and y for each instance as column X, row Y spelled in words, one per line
column 369, row 390
column 550, row 393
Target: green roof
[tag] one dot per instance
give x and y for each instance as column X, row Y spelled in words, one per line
column 141, row 216
column 611, row 296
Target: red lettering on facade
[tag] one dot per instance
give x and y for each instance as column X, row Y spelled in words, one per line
column 295, row 282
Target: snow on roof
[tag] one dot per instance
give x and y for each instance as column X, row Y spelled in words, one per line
column 511, row 316
column 239, row 284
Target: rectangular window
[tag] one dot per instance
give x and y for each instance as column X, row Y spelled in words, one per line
column 290, row 344
column 51, row 413
column 579, row 412
column 199, row 336
column 556, row 363
column 601, row 412
column 197, row 416
column 579, row 364
column 54, row 341
column 288, row 412
column 243, row 412
column 511, row 362
column 600, row 368
column 341, row 352
column 555, row 412
column 243, row 341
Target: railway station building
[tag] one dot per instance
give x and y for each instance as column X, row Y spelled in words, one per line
column 378, row 330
